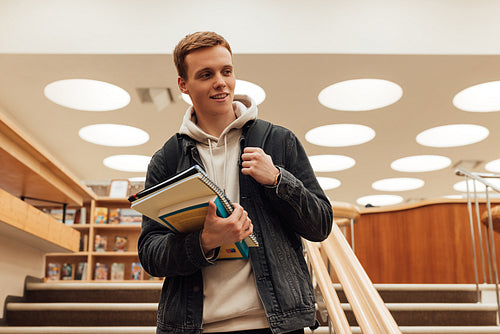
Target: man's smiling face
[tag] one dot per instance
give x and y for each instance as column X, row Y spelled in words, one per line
column 209, row 80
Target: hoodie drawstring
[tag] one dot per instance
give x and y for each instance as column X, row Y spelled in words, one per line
column 223, row 186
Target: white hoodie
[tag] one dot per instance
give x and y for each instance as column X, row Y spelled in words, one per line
column 231, row 301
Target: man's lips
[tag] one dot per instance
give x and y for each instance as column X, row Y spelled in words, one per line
column 219, row 96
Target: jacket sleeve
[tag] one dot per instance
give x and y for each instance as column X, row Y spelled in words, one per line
column 162, row 252
column 298, row 197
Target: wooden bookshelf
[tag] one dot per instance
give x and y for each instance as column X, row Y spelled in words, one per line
column 108, row 255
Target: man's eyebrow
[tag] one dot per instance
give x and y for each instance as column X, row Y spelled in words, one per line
column 203, row 70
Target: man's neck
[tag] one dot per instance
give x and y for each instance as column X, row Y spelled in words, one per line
column 215, row 125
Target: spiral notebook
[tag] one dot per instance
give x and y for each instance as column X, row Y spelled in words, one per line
column 181, row 202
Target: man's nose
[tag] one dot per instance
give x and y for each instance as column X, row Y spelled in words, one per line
column 219, row 81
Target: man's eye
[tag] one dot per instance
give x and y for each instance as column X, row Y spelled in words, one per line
column 228, row 72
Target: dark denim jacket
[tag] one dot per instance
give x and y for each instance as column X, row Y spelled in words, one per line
column 281, row 216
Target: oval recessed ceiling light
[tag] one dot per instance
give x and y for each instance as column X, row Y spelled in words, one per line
column 453, row 196
column 493, row 166
column 331, row 162
column 137, row 179
column 379, row 200
column 484, row 97
column 113, row 135
column 480, row 187
column 339, row 135
column 87, row 95
column 128, row 163
column 242, row 88
column 453, row 135
column 421, row 163
column 398, row 184
column 360, row 94
column 328, row 183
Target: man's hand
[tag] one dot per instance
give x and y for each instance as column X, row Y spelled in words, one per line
column 219, row 231
column 259, row 165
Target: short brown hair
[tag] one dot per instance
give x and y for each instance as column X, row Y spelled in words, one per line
column 193, row 42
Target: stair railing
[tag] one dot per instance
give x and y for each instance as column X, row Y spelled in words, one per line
column 368, row 307
column 490, row 243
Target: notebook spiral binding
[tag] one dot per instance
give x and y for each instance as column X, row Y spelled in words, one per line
column 251, row 240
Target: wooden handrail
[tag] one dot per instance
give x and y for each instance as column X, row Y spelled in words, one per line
column 370, row 311
column 345, row 210
column 332, row 301
column 368, row 307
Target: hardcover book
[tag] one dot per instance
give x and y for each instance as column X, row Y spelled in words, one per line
column 114, row 216
column 68, row 272
column 136, row 271
column 117, row 271
column 121, row 243
column 101, row 272
column 53, row 271
column 181, row 203
column 100, row 215
column 81, row 271
column 101, row 243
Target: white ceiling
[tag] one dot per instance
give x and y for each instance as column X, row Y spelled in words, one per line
column 432, row 49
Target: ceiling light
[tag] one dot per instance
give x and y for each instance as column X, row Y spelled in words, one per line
column 420, row 163
column 484, row 97
column 331, row 163
column 493, row 166
column 242, row 87
column 398, row 184
column 480, row 187
column 137, row 179
column 87, row 95
column 379, row 200
column 452, row 135
column 113, row 135
column 339, row 135
column 328, row 183
column 454, row 196
column 360, row 94
column 128, row 163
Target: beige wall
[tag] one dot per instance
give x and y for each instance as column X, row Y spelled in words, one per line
column 17, row 260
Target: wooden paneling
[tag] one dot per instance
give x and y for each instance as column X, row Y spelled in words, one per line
column 421, row 244
column 25, row 223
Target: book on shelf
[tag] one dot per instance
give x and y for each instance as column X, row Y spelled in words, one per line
column 101, row 243
column 181, row 203
column 117, row 271
column 114, row 216
column 100, row 215
column 121, row 243
column 101, row 271
column 130, row 217
column 81, row 216
column 69, row 215
column 136, row 271
column 53, row 271
column 84, row 242
column 68, row 271
column 81, row 271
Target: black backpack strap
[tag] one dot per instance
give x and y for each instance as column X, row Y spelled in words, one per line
column 257, row 133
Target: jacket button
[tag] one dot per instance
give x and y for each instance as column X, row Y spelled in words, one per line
column 196, row 288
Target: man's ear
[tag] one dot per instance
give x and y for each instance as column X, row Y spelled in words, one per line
column 182, row 85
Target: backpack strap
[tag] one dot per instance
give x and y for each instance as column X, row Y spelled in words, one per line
column 257, row 133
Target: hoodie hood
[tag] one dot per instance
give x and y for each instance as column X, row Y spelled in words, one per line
column 244, row 108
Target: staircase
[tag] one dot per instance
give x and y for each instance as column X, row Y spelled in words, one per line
column 132, row 307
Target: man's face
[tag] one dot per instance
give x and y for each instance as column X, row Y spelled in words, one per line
column 209, row 80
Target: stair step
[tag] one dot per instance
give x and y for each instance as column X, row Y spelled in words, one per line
column 437, row 314
column 422, row 293
column 78, row 330
column 101, row 292
column 152, row 330
column 81, row 314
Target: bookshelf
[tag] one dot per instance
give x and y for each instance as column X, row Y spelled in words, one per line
column 103, row 255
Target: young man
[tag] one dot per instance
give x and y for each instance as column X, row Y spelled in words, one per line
column 279, row 198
